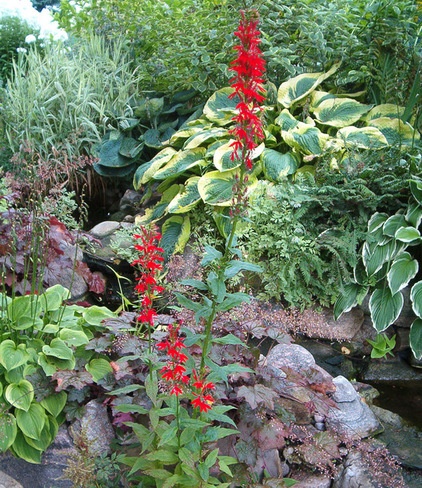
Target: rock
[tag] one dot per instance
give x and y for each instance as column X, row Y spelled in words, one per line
column 390, row 370
column 353, row 474
column 94, row 429
column 343, row 329
column 290, row 355
column 104, row 228
column 307, row 480
column 130, row 200
column 352, row 416
column 8, row 482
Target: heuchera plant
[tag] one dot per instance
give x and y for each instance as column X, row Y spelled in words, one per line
column 180, row 447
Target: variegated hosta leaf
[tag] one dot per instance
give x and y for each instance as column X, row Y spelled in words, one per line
column 318, row 97
column 374, row 259
column 339, row 112
column 414, row 214
column 205, row 136
column 146, row 171
column 416, row 189
column 219, row 108
column 364, row 138
column 376, row 221
column 216, row 187
column 416, row 298
column 307, row 169
column 187, row 198
column 350, row 296
column 396, row 131
column 392, row 224
column 385, row 308
column 222, row 158
column 179, row 137
column 180, row 162
column 286, row 120
column 300, row 86
column 306, row 139
column 415, row 338
column 385, row 110
column 160, row 208
column 403, row 269
column 407, row 234
column 175, row 234
column 278, row 166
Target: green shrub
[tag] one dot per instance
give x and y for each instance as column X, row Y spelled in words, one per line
column 13, row 32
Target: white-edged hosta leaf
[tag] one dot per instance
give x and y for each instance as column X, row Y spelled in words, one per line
column 392, row 224
column 306, row 139
column 180, row 162
column 416, row 298
column 414, row 214
column 278, row 166
column 403, row 269
column 396, row 131
column 376, row 221
column 146, row 171
column 222, row 157
column 205, row 136
column 317, row 97
column 407, row 234
column 187, row 198
column 216, row 187
column 415, row 338
column 300, row 86
column 350, row 295
column 363, row 138
column 339, row 112
column 385, row 308
column 390, row 110
column 416, row 189
column 220, row 108
column 374, row 258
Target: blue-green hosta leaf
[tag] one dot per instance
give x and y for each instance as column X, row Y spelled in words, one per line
column 414, row 214
column 148, row 109
column 278, row 166
column 187, row 198
column 286, row 120
column 396, row 131
column 385, row 308
column 392, row 224
column 376, row 221
column 403, row 269
column 415, row 338
column 339, row 112
column 306, row 139
column 416, row 298
column 8, row 431
column 350, row 296
column 220, row 108
column 407, row 234
column 98, row 368
column 12, row 355
column 216, row 187
column 363, row 138
column 114, row 172
column 20, row 394
column 300, row 86
column 389, row 110
column 110, row 156
column 146, row 171
column 175, row 234
column 206, row 136
column 131, row 148
column 180, row 162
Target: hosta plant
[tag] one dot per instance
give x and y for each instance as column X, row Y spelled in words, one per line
column 40, row 335
column 303, row 125
column 389, row 263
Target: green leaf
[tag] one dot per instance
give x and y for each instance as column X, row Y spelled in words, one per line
column 12, row 355
column 220, row 108
column 199, row 285
column 99, row 368
column 286, row 120
column 374, row 260
column 416, row 298
column 396, row 131
column 130, row 408
column 187, row 198
column 95, row 315
column 146, row 171
column 414, row 214
column 349, row 298
column 21, row 307
column 415, row 338
column 216, row 187
column 24, row 451
column 222, row 157
column 203, row 471
column 8, row 430
column 163, row 455
column 73, row 337
column 229, row 339
column 149, row 109
column 385, row 308
column 216, row 286
column 233, row 300
column 109, row 155
column 32, row 421
column 169, row 434
column 58, row 349
column 205, row 137
column 407, row 234
column 306, row 139
column 300, row 86
column 403, row 269
column 211, row 255
column 339, row 112
column 55, row 403
column 235, row 266
column 20, row 394
column 180, row 162
column 53, row 298
column 416, row 189
column 187, row 302
column 392, row 224
column 363, row 138
column 376, row 221
column 278, row 166
column 175, row 234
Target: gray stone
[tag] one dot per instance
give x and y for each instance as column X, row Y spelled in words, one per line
column 343, row 329
column 130, row 199
column 104, row 228
column 353, row 473
column 390, row 370
column 313, row 481
column 8, row 482
column 94, row 429
column 352, row 416
column 290, row 355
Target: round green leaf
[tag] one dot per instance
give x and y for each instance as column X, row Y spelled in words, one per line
column 53, row 297
column 385, row 308
column 20, row 394
column 416, row 298
column 222, row 157
column 58, row 349
column 73, row 337
column 32, row 421
column 95, row 315
column 98, row 368
column 8, row 430
column 12, row 355
column 109, row 155
column 278, row 166
column 286, row 120
column 403, row 269
column 306, row 139
column 415, row 338
column 55, row 403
